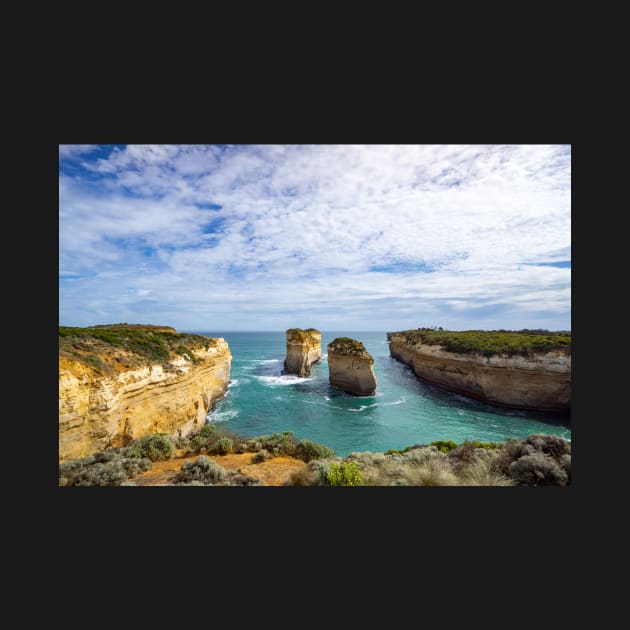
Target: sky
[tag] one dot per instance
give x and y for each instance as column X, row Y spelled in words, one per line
column 335, row 237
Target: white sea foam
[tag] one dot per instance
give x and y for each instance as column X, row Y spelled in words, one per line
column 326, row 398
column 221, row 416
column 270, row 361
column 285, row 379
column 233, row 383
column 364, row 407
column 397, row 402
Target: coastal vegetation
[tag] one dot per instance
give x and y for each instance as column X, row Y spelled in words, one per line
column 138, row 342
column 538, row 460
column 296, row 335
column 347, row 345
column 491, row 342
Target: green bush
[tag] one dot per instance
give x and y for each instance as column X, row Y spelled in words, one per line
column 224, row 446
column 537, row 469
column 307, row 450
column 261, row 456
column 444, row 446
column 207, row 430
column 344, row 474
column 155, row 446
column 203, row 470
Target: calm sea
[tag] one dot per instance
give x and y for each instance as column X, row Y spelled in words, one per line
column 404, row 410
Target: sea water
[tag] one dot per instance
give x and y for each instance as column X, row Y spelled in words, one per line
column 404, row 411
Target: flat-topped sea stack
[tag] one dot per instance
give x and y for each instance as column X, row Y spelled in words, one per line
column 528, row 369
column 304, row 347
column 122, row 381
column 351, row 367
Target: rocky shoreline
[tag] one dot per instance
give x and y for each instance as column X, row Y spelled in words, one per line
column 540, row 381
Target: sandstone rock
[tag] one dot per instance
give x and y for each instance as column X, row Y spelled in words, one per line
column 351, row 367
column 304, row 347
column 541, row 381
column 98, row 410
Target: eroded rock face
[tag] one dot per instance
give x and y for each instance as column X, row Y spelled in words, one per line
column 304, row 347
column 540, row 382
column 351, row 367
column 97, row 411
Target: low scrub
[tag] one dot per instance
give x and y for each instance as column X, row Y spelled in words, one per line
column 106, row 468
column 307, row 451
column 344, row 474
column 491, row 342
column 156, row 446
column 202, row 469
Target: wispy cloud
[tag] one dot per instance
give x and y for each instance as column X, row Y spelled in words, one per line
column 363, row 237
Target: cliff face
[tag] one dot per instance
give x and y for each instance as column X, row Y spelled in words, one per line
column 541, row 381
column 99, row 410
column 304, row 347
column 351, row 367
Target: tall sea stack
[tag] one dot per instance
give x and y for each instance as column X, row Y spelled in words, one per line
column 304, row 347
column 351, row 367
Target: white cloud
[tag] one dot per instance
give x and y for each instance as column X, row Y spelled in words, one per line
column 300, row 228
column 71, row 151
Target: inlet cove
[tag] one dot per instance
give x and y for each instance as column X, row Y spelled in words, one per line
column 149, row 405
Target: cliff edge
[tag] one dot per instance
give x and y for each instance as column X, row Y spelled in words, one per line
column 351, row 367
column 304, row 348
column 505, row 368
column 117, row 383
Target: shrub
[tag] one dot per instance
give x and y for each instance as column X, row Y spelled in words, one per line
column 104, row 456
column 109, row 474
column 203, row 470
column 480, row 473
column 433, row 472
column 444, row 446
column 155, row 446
column 239, row 479
column 307, row 451
column 224, row 446
column 279, row 443
column 304, row 477
column 344, row 474
column 207, row 430
column 261, row 456
column 537, row 469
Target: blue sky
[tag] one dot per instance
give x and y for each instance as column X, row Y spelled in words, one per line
column 339, row 237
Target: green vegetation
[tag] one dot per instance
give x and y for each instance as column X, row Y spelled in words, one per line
column 298, row 335
column 155, row 446
column 444, row 446
column 538, row 460
column 202, row 469
column 224, row 446
column 209, row 440
column 141, row 343
column 107, row 468
column 344, row 474
column 491, row 342
column 347, row 345
column 307, row 451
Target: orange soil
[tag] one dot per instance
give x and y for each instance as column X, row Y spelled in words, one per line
column 273, row 472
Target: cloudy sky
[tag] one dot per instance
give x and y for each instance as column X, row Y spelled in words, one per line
column 339, row 237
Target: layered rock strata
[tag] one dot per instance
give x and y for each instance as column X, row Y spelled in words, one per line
column 351, row 367
column 540, row 381
column 304, row 348
column 98, row 410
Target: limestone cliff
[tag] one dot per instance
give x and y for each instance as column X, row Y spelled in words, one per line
column 540, row 381
column 351, row 367
column 110, row 394
column 304, row 347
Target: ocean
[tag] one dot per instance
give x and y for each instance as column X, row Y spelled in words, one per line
column 403, row 412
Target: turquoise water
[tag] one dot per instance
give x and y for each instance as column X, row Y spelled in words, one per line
column 404, row 410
